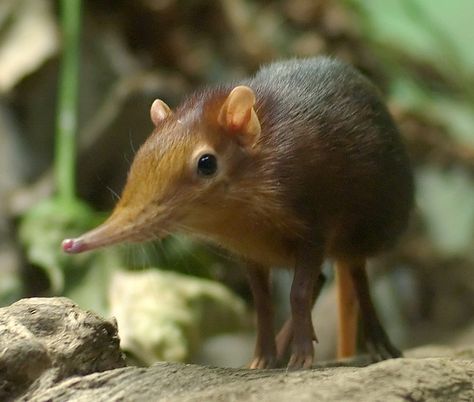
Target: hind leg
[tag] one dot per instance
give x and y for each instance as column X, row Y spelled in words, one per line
column 348, row 310
column 377, row 341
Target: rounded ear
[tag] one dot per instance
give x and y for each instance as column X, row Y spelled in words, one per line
column 238, row 116
column 159, row 111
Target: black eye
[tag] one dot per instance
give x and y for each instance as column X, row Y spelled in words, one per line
column 207, row 165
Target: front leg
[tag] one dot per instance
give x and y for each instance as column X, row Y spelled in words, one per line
column 284, row 336
column 307, row 270
column 265, row 349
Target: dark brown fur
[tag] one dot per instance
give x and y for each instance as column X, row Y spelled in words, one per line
column 330, row 166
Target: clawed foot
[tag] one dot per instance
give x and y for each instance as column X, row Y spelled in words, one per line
column 379, row 345
column 263, row 362
column 382, row 351
column 297, row 360
column 302, row 356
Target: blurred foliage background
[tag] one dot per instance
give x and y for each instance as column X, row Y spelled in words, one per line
column 419, row 52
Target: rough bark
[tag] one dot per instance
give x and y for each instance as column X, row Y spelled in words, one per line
column 46, row 340
column 52, row 350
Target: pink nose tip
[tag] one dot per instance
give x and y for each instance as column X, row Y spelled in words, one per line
column 72, row 246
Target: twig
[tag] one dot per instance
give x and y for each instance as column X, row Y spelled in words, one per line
column 66, row 123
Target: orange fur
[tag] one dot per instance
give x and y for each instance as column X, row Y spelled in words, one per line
column 348, row 311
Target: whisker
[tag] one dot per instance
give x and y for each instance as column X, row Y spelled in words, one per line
column 184, row 262
column 155, row 245
column 146, row 263
column 115, row 195
column 132, row 145
column 133, row 256
column 125, row 252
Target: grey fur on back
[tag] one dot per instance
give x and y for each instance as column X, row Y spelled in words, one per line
column 319, row 91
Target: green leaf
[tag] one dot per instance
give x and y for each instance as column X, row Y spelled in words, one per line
column 454, row 114
column 42, row 230
column 83, row 277
column 446, row 200
column 439, row 32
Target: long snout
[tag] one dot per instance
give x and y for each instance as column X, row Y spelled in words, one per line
column 110, row 232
